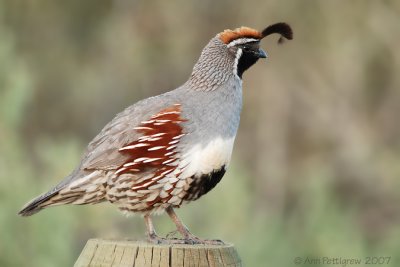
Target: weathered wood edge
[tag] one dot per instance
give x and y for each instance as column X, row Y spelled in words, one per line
column 134, row 253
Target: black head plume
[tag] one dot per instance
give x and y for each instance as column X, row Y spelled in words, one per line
column 282, row 28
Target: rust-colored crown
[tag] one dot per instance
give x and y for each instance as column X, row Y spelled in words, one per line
column 228, row 36
column 281, row 28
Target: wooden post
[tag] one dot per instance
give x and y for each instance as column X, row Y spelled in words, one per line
column 98, row 252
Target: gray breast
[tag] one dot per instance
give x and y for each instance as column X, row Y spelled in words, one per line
column 212, row 114
column 211, row 126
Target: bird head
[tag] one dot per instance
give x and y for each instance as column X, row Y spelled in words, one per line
column 244, row 43
column 230, row 53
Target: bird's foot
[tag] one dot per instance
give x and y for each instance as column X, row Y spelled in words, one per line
column 155, row 239
column 172, row 234
column 189, row 239
column 215, row 242
column 193, row 240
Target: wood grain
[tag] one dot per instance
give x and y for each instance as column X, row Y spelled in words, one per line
column 117, row 253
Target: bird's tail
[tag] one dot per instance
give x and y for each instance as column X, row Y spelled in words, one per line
column 38, row 203
column 56, row 197
column 83, row 190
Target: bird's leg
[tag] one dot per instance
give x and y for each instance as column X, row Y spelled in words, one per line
column 152, row 235
column 189, row 238
column 182, row 229
column 151, row 232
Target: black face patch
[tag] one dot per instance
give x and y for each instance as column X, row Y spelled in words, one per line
column 203, row 184
column 250, row 55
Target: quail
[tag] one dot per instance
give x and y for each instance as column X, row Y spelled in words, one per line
column 169, row 149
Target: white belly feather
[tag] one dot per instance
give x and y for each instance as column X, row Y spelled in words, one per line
column 202, row 159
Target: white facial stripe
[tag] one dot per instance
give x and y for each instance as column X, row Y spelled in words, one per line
column 241, row 41
column 235, row 64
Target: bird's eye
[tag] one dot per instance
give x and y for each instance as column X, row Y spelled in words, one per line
column 246, row 48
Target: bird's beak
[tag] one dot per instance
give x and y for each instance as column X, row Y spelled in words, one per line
column 262, row 54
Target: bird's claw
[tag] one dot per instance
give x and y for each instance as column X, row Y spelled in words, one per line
column 189, row 240
column 215, row 242
column 194, row 240
column 157, row 240
column 172, row 234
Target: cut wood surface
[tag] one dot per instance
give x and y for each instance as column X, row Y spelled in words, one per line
column 98, row 252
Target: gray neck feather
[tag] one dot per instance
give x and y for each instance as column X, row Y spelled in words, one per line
column 214, row 67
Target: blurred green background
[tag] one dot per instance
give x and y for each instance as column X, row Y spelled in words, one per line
column 316, row 165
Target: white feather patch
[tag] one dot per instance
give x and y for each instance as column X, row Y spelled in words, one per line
column 235, row 64
column 204, row 159
column 242, row 41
